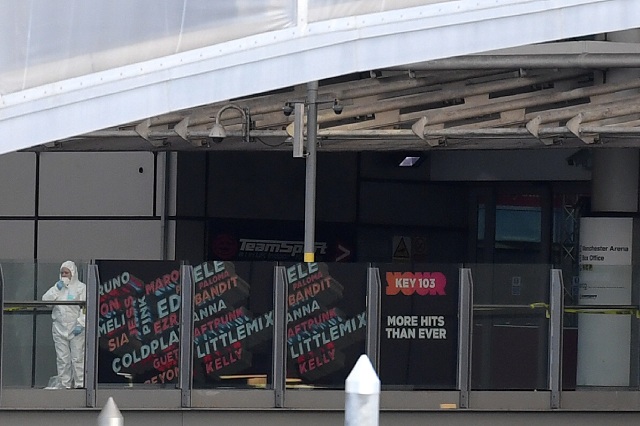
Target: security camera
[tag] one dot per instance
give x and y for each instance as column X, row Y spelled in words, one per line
column 287, row 109
column 337, row 108
column 217, row 133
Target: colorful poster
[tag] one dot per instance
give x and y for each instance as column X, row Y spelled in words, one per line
column 138, row 322
column 233, row 323
column 326, row 322
column 418, row 326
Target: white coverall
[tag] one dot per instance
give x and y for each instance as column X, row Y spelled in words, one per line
column 68, row 328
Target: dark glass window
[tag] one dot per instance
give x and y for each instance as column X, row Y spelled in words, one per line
column 418, row 326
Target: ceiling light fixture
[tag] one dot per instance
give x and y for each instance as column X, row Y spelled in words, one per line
column 410, row 161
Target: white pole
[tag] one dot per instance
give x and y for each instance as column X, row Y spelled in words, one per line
column 110, row 415
column 362, row 395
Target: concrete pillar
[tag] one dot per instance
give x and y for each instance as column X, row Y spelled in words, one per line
column 614, row 180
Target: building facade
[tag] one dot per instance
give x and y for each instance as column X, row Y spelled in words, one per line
column 493, row 280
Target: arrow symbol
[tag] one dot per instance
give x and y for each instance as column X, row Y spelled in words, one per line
column 345, row 253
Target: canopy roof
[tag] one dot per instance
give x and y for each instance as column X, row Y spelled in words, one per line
column 153, row 75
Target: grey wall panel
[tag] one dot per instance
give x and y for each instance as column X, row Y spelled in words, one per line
column 96, row 184
column 172, row 176
column 537, row 165
column 271, row 185
column 191, row 183
column 18, row 177
column 376, row 244
column 163, row 183
column 265, row 185
column 337, row 187
column 94, row 239
column 170, row 235
column 190, row 240
column 16, row 239
column 402, row 204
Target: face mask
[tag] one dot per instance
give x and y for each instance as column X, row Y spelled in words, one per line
column 65, row 281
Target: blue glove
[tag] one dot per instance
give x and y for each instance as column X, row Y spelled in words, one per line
column 60, row 284
column 77, row 330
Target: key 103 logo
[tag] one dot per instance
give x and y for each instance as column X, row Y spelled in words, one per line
column 420, row 283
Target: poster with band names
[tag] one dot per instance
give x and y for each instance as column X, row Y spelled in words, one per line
column 418, row 326
column 233, row 324
column 326, row 322
column 139, row 320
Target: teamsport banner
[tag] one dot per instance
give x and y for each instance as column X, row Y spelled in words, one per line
column 278, row 240
column 418, row 326
column 326, row 322
column 139, row 313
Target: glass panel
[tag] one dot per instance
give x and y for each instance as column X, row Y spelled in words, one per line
column 484, row 231
column 567, row 210
column 609, row 330
column 326, row 322
column 233, row 324
column 418, row 326
column 601, row 333
column 138, row 322
column 518, row 219
column 481, row 221
column 29, row 356
column 20, row 279
column 510, row 328
column 19, row 340
column 569, row 350
column 518, row 229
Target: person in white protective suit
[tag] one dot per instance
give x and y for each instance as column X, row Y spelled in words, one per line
column 68, row 327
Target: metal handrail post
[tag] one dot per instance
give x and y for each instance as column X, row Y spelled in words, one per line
column 374, row 289
column 91, row 335
column 186, row 335
column 556, row 311
column 279, row 335
column 465, row 333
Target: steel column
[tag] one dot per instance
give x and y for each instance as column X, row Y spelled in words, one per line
column 310, row 178
column 465, row 333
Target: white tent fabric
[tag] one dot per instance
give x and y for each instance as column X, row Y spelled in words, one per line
column 46, row 41
column 71, row 67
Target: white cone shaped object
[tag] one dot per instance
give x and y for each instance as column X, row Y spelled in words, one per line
column 362, row 399
column 110, row 415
